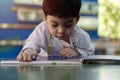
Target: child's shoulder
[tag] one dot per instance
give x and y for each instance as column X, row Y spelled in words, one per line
column 81, row 34
column 42, row 26
column 80, row 31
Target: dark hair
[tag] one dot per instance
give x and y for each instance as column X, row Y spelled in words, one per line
column 62, row 8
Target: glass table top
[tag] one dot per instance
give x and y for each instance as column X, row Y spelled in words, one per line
column 60, row 72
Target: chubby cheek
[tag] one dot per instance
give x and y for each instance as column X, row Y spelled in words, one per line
column 68, row 32
column 53, row 32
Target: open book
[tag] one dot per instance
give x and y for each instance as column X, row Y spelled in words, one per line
column 96, row 59
column 102, row 59
column 51, row 60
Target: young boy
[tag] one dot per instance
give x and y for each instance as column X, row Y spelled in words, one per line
column 58, row 34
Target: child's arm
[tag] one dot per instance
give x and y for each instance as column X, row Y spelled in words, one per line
column 33, row 44
column 27, row 55
column 69, row 52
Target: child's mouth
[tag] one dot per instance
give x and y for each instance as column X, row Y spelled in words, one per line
column 60, row 37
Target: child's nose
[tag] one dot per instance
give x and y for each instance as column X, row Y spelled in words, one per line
column 61, row 30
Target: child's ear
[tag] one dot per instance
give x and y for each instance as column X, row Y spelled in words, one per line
column 45, row 17
column 77, row 18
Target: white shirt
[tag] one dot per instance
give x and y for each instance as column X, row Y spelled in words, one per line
column 40, row 38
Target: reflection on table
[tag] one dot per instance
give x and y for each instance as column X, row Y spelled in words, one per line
column 64, row 72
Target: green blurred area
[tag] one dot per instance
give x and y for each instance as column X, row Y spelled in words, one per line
column 109, row 19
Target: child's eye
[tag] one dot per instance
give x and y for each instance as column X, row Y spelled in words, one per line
column 54, row 25
column 68, row 26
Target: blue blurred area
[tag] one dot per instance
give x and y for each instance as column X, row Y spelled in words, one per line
column 14, row 34
column 93, row 34
column 9, row 52
column 6, row 15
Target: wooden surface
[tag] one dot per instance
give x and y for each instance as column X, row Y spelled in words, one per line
column 17, row 26
column 12, row 42
column 16, row 8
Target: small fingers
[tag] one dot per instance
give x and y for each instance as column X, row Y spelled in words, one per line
column 27, row 56
column 20, row 57
column 68, row 52
column 65, row 53
column 33, row 57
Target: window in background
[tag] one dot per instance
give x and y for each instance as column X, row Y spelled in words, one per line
column 26, row 15
column 88, row 15
column 29, row 2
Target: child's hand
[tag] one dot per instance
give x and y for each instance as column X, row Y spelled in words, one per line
column 27, row 55
column 69, row 52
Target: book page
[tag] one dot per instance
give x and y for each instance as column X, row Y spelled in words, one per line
column 44, row 61
column 105, row 57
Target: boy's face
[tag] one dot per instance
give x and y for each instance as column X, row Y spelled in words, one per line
column 61, row 27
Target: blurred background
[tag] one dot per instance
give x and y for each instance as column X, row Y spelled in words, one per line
column 100, row 18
